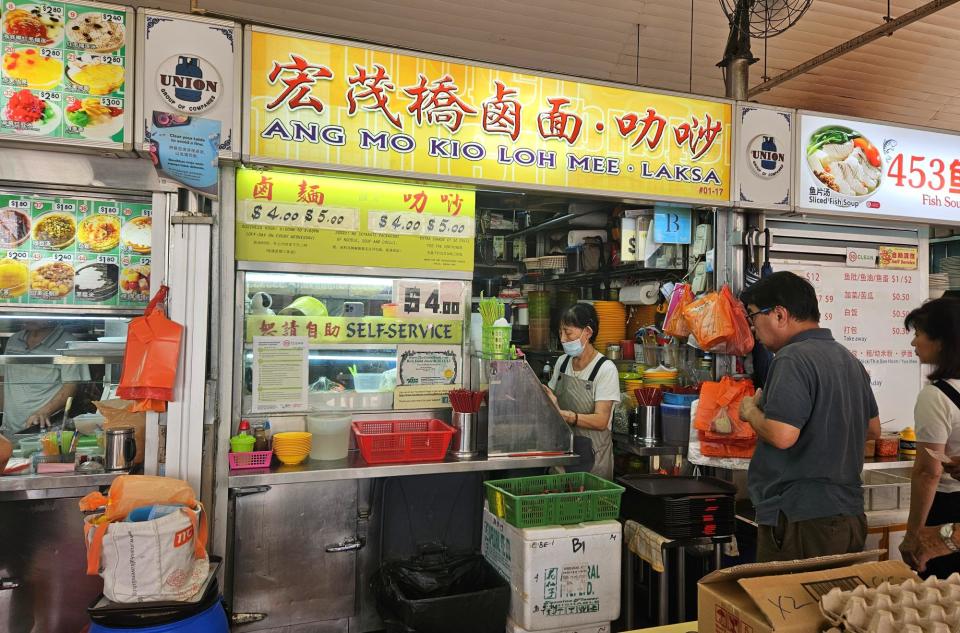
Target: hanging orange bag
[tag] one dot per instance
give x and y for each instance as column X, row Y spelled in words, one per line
column 718, row 412
column 151, row 358
column 673, row 323
column 741, row 342
column 710, row 320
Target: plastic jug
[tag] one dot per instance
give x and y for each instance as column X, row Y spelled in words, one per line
column 331, row 435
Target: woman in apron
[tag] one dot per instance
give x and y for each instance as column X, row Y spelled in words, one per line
column 585, row 387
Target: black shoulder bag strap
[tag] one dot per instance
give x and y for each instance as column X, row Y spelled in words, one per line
column 948, row 391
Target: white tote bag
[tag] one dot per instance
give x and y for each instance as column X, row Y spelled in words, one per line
column 150, row 561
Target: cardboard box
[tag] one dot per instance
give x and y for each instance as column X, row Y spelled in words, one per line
column 785, row 597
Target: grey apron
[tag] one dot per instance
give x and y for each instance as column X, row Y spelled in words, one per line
column 575, row 394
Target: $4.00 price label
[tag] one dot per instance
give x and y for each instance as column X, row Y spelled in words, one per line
column 399, row 223
column 425, row 298
column 308, row 216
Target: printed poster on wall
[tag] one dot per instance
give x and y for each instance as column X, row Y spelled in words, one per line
column 856, row 167
column 66, row 74
column 306, row 219
column 865, row 309
column 189, row 65
column 322, row 103
column 69, row 251
column 429, row 365
column 184, row 149
column 763, row 164
column 280, row 371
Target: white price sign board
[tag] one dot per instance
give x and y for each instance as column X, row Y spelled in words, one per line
column 865, row 309
column 429, row 299
column 854, row 167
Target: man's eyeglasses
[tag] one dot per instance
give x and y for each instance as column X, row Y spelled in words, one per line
column 758, row 312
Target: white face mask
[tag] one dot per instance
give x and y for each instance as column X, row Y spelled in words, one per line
column 574, row 348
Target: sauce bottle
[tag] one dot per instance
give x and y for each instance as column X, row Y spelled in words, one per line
column 908, row 442
column 260, row 439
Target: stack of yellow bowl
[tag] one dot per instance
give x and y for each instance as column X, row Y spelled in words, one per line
column 292, row 447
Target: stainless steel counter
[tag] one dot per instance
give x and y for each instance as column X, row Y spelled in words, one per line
column 886, row 463
column 354, row 467
column 25, row 488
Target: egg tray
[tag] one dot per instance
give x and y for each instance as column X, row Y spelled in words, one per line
column 914, row 606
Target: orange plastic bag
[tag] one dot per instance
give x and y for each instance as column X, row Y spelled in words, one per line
column 741, row 342
column 718, row 412
column 739, row 449
column 151, row 358
column 710, row 320
column 133, row 491
column 673, row 323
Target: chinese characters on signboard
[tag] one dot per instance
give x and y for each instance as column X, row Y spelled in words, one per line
column 307, row 219
column 323, row 103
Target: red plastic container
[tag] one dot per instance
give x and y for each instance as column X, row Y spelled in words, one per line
column 395, row 441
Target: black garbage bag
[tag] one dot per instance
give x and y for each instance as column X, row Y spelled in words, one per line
column 439, row 594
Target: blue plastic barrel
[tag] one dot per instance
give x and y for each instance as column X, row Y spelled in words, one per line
column 213, row 620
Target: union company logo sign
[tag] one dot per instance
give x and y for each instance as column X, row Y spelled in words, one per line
column 764, row 156
column 188, row 84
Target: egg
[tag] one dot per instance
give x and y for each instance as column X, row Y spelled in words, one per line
column 100, row 79
column 28, row 65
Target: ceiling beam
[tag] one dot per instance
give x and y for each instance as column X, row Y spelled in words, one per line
column 883, row 30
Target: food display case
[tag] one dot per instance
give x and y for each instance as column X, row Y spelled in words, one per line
column 376, row 343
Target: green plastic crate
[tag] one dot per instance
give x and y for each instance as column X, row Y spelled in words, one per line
column 521, row 501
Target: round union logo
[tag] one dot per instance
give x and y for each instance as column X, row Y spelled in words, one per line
column 765, row 157
column 188, row 84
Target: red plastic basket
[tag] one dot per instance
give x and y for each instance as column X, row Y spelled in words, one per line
column 393, row 441
column 255, row 459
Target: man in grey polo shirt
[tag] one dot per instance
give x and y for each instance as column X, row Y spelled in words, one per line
column 32, row 394
column 812, row 421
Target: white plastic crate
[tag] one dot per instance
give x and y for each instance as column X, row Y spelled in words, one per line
column 563, row 577
column 601, row 627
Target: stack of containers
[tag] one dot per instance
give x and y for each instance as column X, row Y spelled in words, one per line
column 562, row 563
column 613, row 324
column 538, row 306
column 675, row 417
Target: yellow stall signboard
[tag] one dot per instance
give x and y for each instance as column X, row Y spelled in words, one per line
column 306, row 219
column 319, row 102
column 359, row 330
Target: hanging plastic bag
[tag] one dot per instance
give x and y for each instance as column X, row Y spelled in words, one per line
column 741, row 342
column 710, row 320
column 674, row 323
column 718, row 413
column 151, row 358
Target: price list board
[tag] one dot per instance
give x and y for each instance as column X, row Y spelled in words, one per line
column 865, row 308
column 70, row 251
column 65, row 71
column 306, row 219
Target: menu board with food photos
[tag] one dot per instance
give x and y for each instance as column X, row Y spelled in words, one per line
column 69, row 251
column 65, row 71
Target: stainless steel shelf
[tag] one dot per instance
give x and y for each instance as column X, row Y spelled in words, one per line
column 58, row 359
column 354, row 467
column 21, row 483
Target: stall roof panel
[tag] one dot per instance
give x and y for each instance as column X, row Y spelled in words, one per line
column 906, row 78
